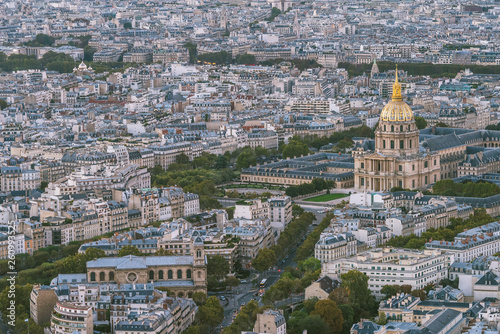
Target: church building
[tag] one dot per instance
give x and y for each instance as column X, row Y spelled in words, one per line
column 397, row 160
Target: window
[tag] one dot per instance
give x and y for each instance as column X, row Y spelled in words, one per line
column 426, row 164
column 400, row 168
column 412, row 167
column 401, row 144
column 413, row 184
column 199, row 274
column 151, row 274
column 362, row 165
column 400, row 183
column 383, row 143
column 426, row 180
column 434, row 177
column 392, row 128
column 401, row 128
column 392, row 144
column 188, row 273
column 170, row 274
column 92, row 277
column 434, row 162
column 111, row 276
column 362, row 181
column 102, row 276
column 160, row 274
column 410, row 143
column 179, row 274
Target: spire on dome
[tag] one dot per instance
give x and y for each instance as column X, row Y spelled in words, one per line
column 396, row 88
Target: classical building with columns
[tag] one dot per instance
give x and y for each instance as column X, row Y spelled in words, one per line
column 183, row 275
column 397, row 160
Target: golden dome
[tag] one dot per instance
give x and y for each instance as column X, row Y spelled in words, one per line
column 396, row 110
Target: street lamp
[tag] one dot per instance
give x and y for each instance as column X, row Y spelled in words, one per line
column 28, row 321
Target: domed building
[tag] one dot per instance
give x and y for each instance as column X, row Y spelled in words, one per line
column 397, row 160
column 82, row 69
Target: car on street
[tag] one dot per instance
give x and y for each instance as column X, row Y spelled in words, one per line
column 222, row 298
column 243, row 281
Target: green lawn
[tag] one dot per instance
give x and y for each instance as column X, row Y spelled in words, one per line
column 325, row 197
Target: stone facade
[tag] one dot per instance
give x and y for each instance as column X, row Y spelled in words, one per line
column 181, row 274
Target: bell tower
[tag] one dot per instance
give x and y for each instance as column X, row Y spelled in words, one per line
column 199, row 264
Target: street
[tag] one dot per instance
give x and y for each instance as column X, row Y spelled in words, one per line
column 244, row 293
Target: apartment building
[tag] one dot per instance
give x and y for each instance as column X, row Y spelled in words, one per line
column 51, row 171
column 42, row 302
column 16, row 179
column 389, row 266
column 280, row 211
column 68, row 317
column 332, row 246
column 252, row 239
column 271, row 321
column 470, row 244
column 265, row 139
column 251, row 209
column 138, row 55
column 107, row 55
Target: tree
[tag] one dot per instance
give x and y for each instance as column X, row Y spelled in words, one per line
column 192, row 52
column 406, row 288
column 340, row 296
column 295, row 149
column 246, row 159
column 264, row 259
column 246, row 59
column 217, row 267
column 163, row 252
column 345, row 144
column 420, row 122
column 94, row 253
column 43, row 185
column 420, row 294
column 199, row 298
column 212, row 313
column 230, row 212
column 442, row 125
column 330, row 313
column 88, row 53
column 356, row 284
column 3, row 104
column 41, row 40
column 348, row 314
column 390, row 290
column 313, row 324
column 127, row 25
column 129, row 250
column 182, row 159
column 232, row 281
column 309, row 265
column 382, row 319
column 220, row 162
column 297, row 210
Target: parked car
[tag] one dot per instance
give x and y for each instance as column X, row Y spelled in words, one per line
column 222, row 298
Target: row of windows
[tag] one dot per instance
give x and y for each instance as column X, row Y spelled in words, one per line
column 401, row 144
column 400, row 128
column 170, row 275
